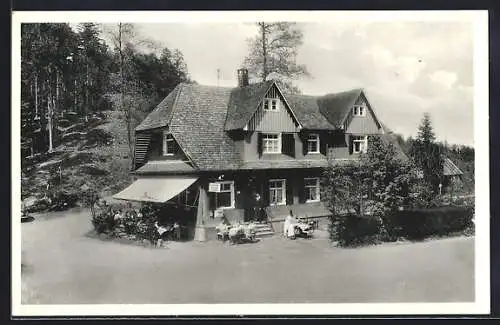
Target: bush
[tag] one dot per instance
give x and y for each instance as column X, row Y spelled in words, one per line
column 98, row 137
column 103, row 221
column 420, row 224
column 352, row 230
column 62, row 200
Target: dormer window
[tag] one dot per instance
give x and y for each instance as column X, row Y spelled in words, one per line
column 271, row 104
column 359, row 110
column 313, row 143
column 169, row 146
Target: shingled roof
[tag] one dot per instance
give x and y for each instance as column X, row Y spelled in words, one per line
column 198, row 126
column 450, row 169
column 243, row 103
column 162, row 114
column 200, row 116
column 308, row 113
column 336, row 106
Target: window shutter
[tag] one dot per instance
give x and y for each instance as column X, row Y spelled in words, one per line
column 350, row 144
column 288, row 144
column 303, row 137
column 265, row 192
column 299, row 182
column 322, row 144
column 289, row 191
column 259, row 143
column 211, row 201
column 157, row 144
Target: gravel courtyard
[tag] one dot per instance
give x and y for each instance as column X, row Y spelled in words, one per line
column 66, row 267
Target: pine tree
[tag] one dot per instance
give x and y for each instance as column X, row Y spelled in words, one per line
column 273, row 54
column 425, row 131
column 427, row 154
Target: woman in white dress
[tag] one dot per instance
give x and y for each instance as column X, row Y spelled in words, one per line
column 288, row 225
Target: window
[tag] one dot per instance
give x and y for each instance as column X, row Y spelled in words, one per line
column 313, row 143
column 277, row 192
column 168, row 144
column 311, row 186
column 271, row 104
column 359, row 110
column 359, row 144
column 224, row 199
column 271, row 143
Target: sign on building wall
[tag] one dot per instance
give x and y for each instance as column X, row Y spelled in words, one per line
column 214, row 187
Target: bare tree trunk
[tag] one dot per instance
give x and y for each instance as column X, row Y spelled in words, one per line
column 76, row 95
column 49, row 120
column 86, row 91
column 127, row 109
column 36, row 95
column 264, row 51
column 57, row 91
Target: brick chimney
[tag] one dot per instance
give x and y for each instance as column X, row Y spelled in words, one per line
column 242, row 77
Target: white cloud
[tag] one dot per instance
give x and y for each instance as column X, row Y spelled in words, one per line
column 407, row 67
column 445, row 79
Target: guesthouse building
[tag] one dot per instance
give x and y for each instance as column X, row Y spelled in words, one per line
column 224, row 149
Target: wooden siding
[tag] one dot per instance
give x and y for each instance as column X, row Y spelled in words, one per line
column 281, row 120
column 362, row 124
column 249, row 148
column 142, row 143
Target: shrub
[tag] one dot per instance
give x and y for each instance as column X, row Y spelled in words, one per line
column 62, row 200
column 419, row 224
column 98, row 137
column 89, row 198
column 352, row 230
column 103, row 221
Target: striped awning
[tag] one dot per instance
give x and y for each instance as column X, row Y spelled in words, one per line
column 155, row 189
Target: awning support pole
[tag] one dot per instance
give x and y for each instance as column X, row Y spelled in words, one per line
column 201, row 214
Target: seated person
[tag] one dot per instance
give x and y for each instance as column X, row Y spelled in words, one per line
column 289, row 225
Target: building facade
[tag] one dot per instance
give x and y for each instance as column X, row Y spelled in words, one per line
column 233, row 148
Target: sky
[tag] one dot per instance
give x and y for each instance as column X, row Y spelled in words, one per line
column 405, row 68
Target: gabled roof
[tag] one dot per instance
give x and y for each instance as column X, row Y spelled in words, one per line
column 243, row 103
column 162, row 114
column 199, row 117
column 450, row 169
column 335, row 107
column 389, row 137
column 307, row 111
column 198, row 126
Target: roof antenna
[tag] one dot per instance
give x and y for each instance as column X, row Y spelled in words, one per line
column 218, row 77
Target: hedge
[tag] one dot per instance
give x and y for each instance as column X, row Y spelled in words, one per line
column 352, row 230
column 417, row 224
column 423, row 223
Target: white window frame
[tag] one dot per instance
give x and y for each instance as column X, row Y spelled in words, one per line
column 167, row 137
column 268, row 104
column 283, row 191
column 278, row 142
column 316, row 140
column 363, row 143
column 316, row 187
column 359, row 110
column 231, row 190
